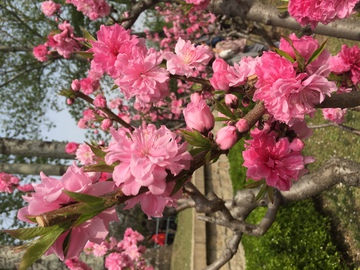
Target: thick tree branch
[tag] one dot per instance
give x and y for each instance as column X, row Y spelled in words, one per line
column 346, row 100
column 268, row 14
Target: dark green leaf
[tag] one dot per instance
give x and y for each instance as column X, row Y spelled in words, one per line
column 221, row 119
column 270, row 192
column 97, row 152
column 86, row 34
column 224, row 109
column 80, row 197
column 255, row 184
column 284, row 54
column 179, row 184
column 261, row 193
column 87, row 55
column 99, row 168
column 299, row 58
column 40, row 246
column 316, row 53
column 195, row 138
column 28, row 233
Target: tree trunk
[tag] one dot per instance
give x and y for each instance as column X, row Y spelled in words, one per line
column 34, row 148
column 268, row 14
column 33, row 169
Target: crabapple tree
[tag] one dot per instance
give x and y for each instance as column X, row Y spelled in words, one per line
column 159, row 128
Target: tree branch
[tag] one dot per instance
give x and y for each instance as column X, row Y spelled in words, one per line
column 346, row 100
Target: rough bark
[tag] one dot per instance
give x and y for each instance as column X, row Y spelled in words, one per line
column 31, row 148
column 268, row 14
column 33, row 169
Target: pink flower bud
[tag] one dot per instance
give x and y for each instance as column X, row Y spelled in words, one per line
column 242, row 125
column 70, row 101
column 226, row 137
column 231, row 100
column 106, row 124
column 100, row 101
column 75, row 85
column 71, row 147
column 198, row 115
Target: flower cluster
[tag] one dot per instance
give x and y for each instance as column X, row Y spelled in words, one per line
column 314, row 11
column 49, row 8
column 277, row 160
column 290, row 94
column 125, row 254
column 8, row 182
column 49, row 196
column 347, row 63
column 146, row 156
column 94, row 9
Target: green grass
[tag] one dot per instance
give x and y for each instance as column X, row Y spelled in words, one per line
column 181, row 253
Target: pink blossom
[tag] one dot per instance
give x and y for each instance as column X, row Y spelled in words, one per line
column 336, row 115
column 187, row 58
column 82, row 123
column 115, row 103
column 277, row 160
column 84, row 154
column 76, row 264
column 198, row 115
column 8, row 182
column 146, row 156
column 100, row 101
column 118, row 261
column 306, row 46
column 142, row 76
column 94, row 9
column 49, row 196
column 64, row 42
column 49, row 8
column 288, row 96
column 231, row 100
column 347, row 60
column 242, row 125
column 324, row 11
column 26, row 188
column 71, row 147
column 75, row 85
column 40, row 52
column 220, row 80
column 100, row 250
column 226, row 137
column 106, row 124
column 89, row 86
column 112, row 41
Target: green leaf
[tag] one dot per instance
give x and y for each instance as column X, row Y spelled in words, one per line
column 299, row 58
column 80, row 197
column 316, row 53
column 179, row 184
column 87, row 55
column 40, row 246
column 197, row 150
column 195, row 138
column 101, row 167
column 255, row 184
column 97, row 152
column 28, row 233
column 261, row 193
column 284, row 54
column 224, row 109
column 221, row 119
column 270, row 192
column 88, row 212
column 86, row 34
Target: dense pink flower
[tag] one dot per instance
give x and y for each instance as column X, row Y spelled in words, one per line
column 142, row 75
column 89, row 86
column 65, row 43
column 106, row 124
column 226, row 137
column 76, row 264
column 187, row 58
column 242, row 125
column 100, row 101
column 336, row 115
column 118, row 261
column 84, row 154
column 8, row 182
column 219, row 79
column 49, row 196
column 288, row 96
column 49, row 8
column 112, row 41
column 198, row 115
column 94, row 9
column 324, row 11
column 306, row 46
column 100, row 250
column 348, row 59
column 71, row 147
column 277, row 160
column 146, row 156
column 40, row 52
